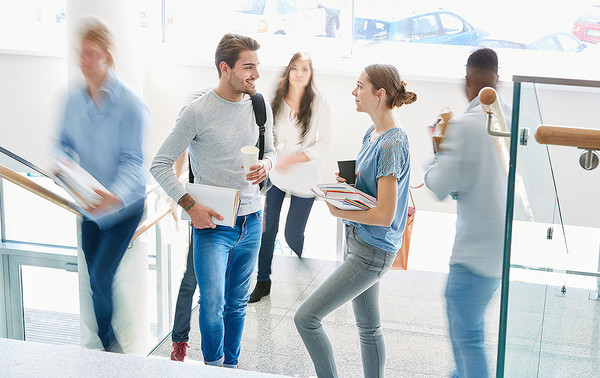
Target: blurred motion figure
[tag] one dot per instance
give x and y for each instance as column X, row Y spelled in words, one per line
column 102, row 130
column 469, row 169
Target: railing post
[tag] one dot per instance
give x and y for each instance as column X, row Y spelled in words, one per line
column 510, row 195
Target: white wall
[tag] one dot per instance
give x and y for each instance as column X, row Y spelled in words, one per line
column 32, row 93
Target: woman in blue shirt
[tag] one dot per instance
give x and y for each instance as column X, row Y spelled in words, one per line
column 372, row 236
column 102, row 130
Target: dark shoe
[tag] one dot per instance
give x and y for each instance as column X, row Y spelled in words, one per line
column 261, row 289
column 179, row 352
column 115, row 347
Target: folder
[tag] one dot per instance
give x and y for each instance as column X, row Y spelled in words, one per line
column 224, row 201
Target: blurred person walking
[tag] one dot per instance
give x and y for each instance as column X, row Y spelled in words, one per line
column 302, row 134
column 102, row 130
column 372, row 236
column 468, row 168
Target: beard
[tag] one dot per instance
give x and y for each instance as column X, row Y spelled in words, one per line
column 241, row 86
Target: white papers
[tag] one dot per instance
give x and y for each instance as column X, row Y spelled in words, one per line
column 344, row 196
column 224, row 201
column 77, row 182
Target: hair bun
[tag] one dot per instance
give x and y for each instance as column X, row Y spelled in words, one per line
column 404, row 98
column 409, row 97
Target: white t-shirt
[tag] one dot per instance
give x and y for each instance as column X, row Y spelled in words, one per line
column 298, row 178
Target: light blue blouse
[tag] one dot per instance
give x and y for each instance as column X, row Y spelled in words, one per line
column 388, row 154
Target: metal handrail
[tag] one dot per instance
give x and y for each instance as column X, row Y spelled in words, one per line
column 556, row 81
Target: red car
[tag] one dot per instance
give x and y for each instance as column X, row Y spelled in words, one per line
column 587, row 27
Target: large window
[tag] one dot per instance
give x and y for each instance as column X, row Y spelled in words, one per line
column 401, row 32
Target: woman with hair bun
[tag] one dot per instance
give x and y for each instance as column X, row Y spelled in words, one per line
column 373, row 236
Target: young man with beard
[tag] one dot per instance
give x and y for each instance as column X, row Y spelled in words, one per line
column 213, row 128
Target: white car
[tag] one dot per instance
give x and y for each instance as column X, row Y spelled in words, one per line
column 285, row 17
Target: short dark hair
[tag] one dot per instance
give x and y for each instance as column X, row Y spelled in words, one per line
column 484, row 59
column 230, row 47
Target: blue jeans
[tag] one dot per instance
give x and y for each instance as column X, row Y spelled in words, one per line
column 103, row 250
column 183, row 308
column 356, row 280
column 224, row 259
column 467, row 296
column 295, row 224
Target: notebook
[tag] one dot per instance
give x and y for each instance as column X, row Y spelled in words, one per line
column 224, row 201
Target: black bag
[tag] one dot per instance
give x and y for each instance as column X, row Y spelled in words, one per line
column 260, row 113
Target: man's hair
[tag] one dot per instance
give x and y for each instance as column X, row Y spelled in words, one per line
column 484, row 59
column 230, row 47
column 96, row 31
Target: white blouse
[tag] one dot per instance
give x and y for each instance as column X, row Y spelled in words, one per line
column 298, row 178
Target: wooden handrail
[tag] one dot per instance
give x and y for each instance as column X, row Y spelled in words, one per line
column 34, row 188
column 588, row 139
column 145, row 225
column 31, row 186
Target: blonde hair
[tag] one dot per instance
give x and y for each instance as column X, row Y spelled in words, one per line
column 96, row 31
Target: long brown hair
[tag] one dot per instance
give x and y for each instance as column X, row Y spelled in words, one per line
column 305, row 111
column 387, row 77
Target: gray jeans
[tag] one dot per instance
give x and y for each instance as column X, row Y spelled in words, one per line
column 356, row 280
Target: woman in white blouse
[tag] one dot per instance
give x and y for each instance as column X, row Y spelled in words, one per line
column 302, row 133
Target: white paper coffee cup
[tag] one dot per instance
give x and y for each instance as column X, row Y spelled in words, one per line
column 249, row 157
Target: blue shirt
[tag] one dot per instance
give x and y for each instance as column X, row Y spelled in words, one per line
column 388, row 154
column 107, row 140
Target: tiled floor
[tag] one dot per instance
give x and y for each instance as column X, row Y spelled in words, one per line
column 413, row 316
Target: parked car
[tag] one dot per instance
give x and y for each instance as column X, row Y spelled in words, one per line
column 285, row 17
column 440, row 27
column 558, row 42
column 368, row 28
column 587, row 27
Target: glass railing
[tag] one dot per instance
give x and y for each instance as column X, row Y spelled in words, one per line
column 550, row 319
column 40, row 259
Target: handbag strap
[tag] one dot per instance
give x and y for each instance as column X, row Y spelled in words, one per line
column 410, row 193
column 260, row 113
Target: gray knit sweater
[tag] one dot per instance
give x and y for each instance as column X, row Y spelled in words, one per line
column 214, row 130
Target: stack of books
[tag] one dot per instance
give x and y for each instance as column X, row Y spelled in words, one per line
column 344, row 196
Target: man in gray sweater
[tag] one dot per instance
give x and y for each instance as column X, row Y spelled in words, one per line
column 213, row 128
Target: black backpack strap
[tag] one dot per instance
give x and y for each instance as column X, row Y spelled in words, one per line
column 260, row 113
column 190, row 173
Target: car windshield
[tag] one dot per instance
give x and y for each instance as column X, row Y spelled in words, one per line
column 251, row 7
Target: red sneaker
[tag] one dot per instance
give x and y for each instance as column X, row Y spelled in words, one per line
column 179, row 352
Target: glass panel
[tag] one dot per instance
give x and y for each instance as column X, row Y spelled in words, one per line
column 552, row 317
column 51, row 305
column 33, row 219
